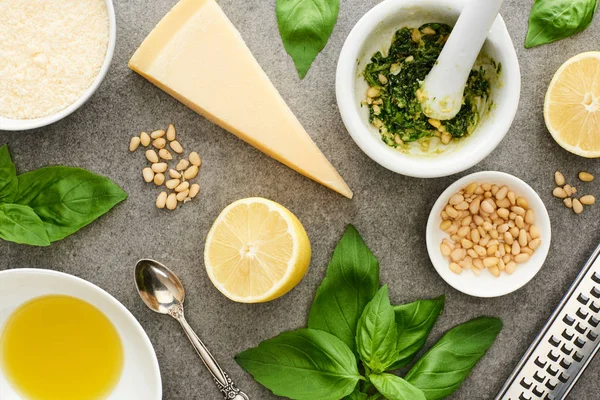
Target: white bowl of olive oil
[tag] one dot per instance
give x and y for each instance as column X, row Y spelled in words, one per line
column 63, row 337
column 426, row 157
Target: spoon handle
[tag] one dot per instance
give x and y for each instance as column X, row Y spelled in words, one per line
column 226, row 386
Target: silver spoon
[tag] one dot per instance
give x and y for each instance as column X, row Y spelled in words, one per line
column 163, row 293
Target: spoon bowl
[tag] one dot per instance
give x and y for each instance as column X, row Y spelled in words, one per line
column 159, row 287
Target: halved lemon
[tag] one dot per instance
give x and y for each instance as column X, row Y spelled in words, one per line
column 572, row 105
column 256, row 251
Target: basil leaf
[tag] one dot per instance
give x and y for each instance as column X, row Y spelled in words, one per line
column 448, row 363
column 552, row 20
column 357, row 395
column 20, row 224
column 8, row 177
column 351, row 282
column 414, row 322
column 377, row 335
column 395, row 388
column 305, row 27
column 67, row 199
column 305, row 364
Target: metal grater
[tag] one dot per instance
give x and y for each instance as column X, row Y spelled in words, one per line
column 565, row 346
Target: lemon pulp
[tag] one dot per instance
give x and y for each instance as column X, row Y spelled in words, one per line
column 61, row 348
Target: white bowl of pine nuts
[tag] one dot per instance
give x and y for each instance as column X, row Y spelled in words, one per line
column 488, row 234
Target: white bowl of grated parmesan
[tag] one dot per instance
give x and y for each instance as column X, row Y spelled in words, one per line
column 53, row 58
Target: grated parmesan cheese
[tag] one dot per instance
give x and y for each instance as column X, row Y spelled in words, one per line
column 50, row 53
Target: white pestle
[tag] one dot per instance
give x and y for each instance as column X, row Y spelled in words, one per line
column 444, row 87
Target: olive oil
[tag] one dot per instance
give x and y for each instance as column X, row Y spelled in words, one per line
column 61, row 348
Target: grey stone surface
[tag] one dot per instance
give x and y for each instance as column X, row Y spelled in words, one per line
column 388, row 209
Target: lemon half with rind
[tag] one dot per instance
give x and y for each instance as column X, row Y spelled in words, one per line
column 256, row 251
column 572, row 105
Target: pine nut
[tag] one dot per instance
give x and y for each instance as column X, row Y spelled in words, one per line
column 519, row 222
column 559, row 192
column 181, row 196
column 475, row 236
column 588, row 199
column 181, row 165
column 159, row 143
column 527, row 250
column 481, row 252
column 508, row 238
column 490, row 262
column 529, row 217
column 516, row 248
column 474, row 206
column 191, row 172
column 174, row 174
column 463, row 231
column 494, row 234
column 145, row 139
column 484, row 240
column 159, row 167
column 523, row 238
column 466, row 243
column 457, row 255
column 521, row 258
column 134, row 143
column 462, row 206
column 176, row 147
column 165, row 155
column 568, row 190
column 373, row 92
column 148, row 174
column 510, row 267
column 534, row 244
column 455, row 199
column 521, row 202
column 159, row 179
column 182, row 186
column 577, row 207
column 514, row 231
column 445, row 225
column 151, row 156
column 503, row 213
column 487, row 206
column 157, row 134
column 518, row 209
column 171, row 133
column 172, row 201
column 503, row 228
column 491, row 250
column 194, row 190
column 195, row 159
column 512, row 197
column 445, row 249
column 454, row 267
column 472, row 253
column 466, row 221
column 470, row 189
column 559, row 178
column 534, row 231
column 501, row 194
column 172, row 183
column 586, row 176
column 504, row 203
column 486, row 186
column 161, row 200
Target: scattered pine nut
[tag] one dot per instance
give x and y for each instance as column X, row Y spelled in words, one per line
column 159, row 143
column 194, row 190
column 195, row 159
column 159, row 167
column 559, row 192
column 172, row 183
column 171, row 201
column 182, row 187
column 157, row 134
column 588, row 199
column 181, row 196
column 174, row 174
column 151, row 156
column 134, row 143
column 586, row 176
column 171, row 133
column 161, row 200
column 568, row 202
column 176, row 146
column 559, row 178
column 568, row 190
column 191, row 172
column 145, row 139
column 182, row 165
column 577, row 206
column 159, row 179
column 165, row 154
column 148, row 174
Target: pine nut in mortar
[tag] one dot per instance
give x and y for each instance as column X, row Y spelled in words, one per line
column 489, row 227
column 52, row 52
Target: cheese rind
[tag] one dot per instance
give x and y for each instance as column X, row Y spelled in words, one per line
column 197, row 56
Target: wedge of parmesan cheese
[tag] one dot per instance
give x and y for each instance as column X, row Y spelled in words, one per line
column 197, row 56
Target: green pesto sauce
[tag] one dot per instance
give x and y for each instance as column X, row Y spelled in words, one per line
column 396, row 110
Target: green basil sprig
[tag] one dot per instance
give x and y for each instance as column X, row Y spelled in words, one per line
column 552, row 20
column 305, row 27
column 51, row 203
column 320, row 362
